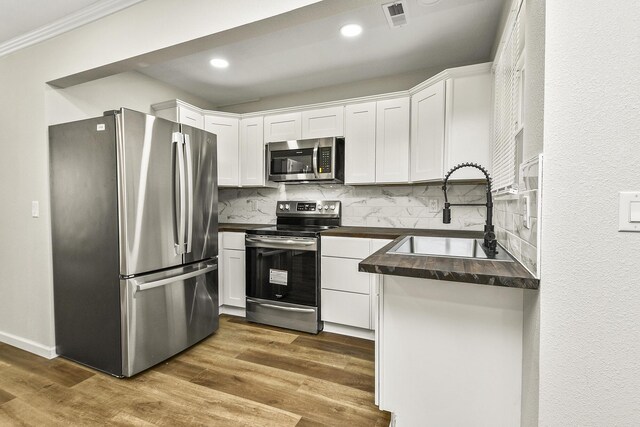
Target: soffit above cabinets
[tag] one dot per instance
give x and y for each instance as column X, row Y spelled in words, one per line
column 313, row 54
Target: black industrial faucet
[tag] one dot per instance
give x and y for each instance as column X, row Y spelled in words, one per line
column 490, row 243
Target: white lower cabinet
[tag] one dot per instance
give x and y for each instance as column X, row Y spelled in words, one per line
column 348, row 296
column 233, row 270
column 346, row 308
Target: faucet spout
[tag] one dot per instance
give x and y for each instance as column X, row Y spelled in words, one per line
column 490, row 242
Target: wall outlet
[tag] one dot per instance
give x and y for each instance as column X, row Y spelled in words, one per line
column 254, row 205
column 434, row 206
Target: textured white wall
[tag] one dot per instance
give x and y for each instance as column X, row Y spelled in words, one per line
column 26, row 316
column 590, row 294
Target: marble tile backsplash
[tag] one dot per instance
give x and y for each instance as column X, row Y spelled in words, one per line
column 404, row 206
column 509, row 211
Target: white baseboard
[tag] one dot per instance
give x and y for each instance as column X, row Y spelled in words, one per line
column 28, row 345
column 233, row 311
column 351, row 331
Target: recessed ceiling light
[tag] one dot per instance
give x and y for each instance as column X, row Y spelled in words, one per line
column 219, row 63
column 351, row 30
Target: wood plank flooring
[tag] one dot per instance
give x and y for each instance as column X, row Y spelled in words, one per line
column 243, row 375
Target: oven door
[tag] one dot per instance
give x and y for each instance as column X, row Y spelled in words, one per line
column 283, row 269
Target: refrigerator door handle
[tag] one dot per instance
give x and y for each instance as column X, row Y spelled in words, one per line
column 178, row 140
column 187, row 144
column 163, row 282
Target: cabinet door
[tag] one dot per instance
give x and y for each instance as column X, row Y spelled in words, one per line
column 323, row 122
column 234, row 278
column 283, row 127
column 251, row 152
column 341, row 274
column 427, row 133
column 468, row 124
column 346, row 308
column 227, row 131
column 190, row 117
column 360, row 144
column 392, row 141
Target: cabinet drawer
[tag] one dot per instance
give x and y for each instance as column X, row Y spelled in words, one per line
column 232, row 240
column 341, row 274
column 346, row 308
column 345, row 247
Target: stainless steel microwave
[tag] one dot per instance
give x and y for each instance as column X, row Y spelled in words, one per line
column 320, row 159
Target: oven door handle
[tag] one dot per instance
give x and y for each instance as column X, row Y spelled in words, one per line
column 278, row 307
column 252, row 242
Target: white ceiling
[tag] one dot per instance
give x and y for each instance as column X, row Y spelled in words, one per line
column 26, row 22
column 22, row 16
column 315, row 55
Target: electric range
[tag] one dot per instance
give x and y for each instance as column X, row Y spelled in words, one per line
column 283, row 265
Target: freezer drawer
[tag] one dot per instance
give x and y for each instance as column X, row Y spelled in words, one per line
column 164, row 313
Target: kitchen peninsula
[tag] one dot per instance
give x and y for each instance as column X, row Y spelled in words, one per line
column 449, row 338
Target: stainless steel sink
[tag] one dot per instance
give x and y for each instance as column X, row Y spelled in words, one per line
column 447, row 247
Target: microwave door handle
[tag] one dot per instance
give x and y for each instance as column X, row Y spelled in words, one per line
column 315, row 159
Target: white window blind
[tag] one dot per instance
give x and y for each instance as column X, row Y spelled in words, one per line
column 506, row 104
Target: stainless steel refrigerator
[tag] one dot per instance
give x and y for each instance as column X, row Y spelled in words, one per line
column 134, row 211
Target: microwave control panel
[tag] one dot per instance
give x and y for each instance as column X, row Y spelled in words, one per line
column 324, row 160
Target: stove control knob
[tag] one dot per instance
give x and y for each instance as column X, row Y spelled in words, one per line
column 326, row 207
column 281, row 206
column 332, row 207
column 286, row 206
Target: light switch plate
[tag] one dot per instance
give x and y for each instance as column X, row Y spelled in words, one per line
column 629, row 211
column 35, row 209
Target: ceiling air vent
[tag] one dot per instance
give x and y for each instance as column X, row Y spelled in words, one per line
column 395, row 13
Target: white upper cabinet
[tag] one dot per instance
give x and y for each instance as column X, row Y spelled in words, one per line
column 252, row 173
column 451, row 124
column 283, row 127
column 468, row 124
column 323, row 122
column 427, row 133
column 180, row 112
column 228, row 143
column 392, row 140
column 360, row 143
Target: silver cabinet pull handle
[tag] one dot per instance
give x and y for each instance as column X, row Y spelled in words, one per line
column 277, row 307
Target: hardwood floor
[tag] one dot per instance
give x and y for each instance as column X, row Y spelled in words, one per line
column 243, row 375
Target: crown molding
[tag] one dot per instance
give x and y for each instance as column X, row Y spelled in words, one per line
column 81, row 17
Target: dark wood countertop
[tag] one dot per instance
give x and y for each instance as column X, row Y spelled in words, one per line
column 481, row 272
column 493, row 273
column 239, row 227
column 394, row 233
